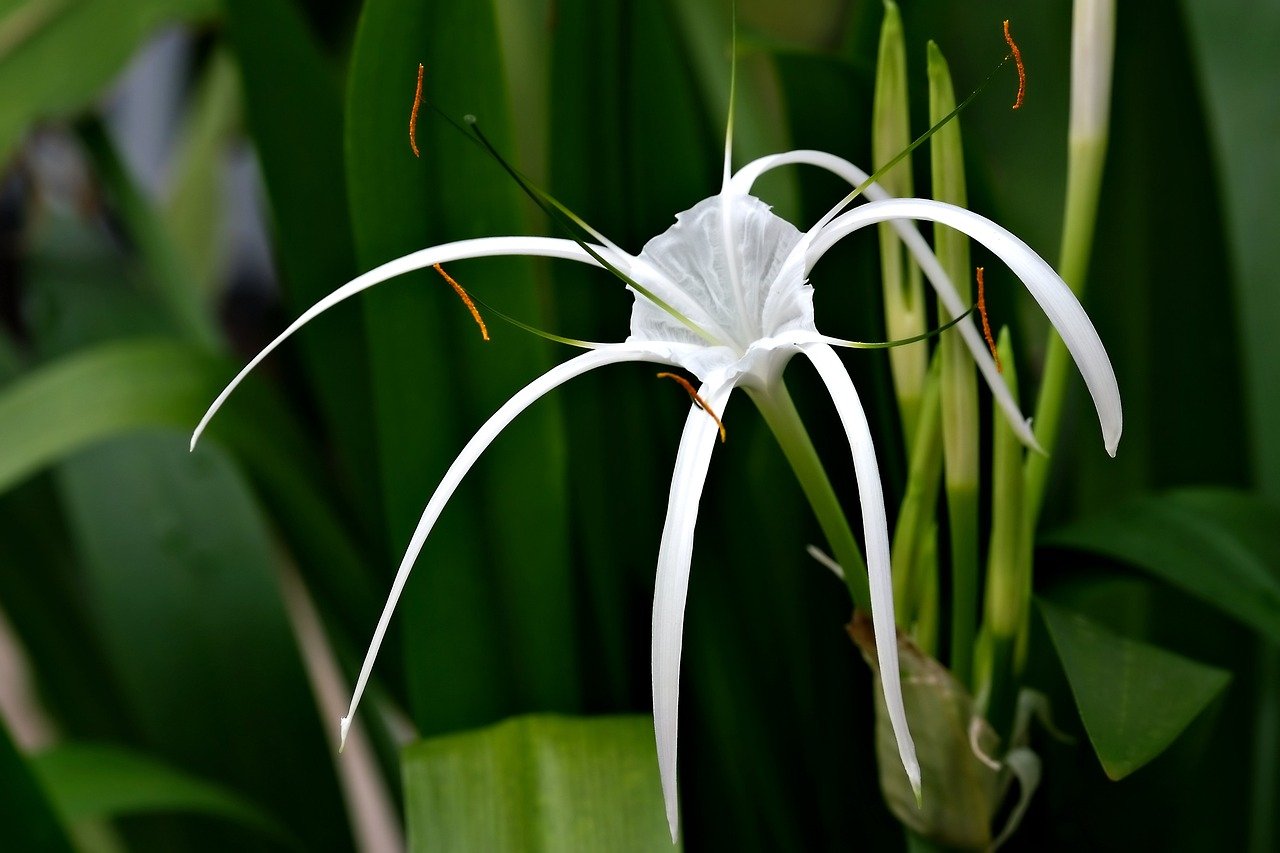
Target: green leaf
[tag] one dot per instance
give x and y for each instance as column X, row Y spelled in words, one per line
column 490, row 611
column 293, row 104
column 1233, row 42
column 57, row 55
column 96, row 781
column 1217, row 544
column 1134, row 699
column 538, row 783
column 28, row 818
column 177, row 567
column 74, row 401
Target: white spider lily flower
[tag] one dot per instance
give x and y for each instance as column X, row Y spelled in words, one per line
column 723, row 294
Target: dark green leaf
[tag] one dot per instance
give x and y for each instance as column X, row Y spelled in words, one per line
column 28, row 818
column 1217, row 544
column 178, row 571
column 1233, row 43
column 538, row 783
column 83, row 398
column 87, row 781
column 293, row 103
column 489, row 616
column 1134, row 699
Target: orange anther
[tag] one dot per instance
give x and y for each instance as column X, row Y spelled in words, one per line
column 466, row 300
column 1017, row 60
column 413, row 132
column 986, row 326
column 697, row 400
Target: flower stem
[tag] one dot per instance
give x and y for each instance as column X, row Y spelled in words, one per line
column 784, row 421
column 919, row 505
column 959, row 384
column 1084, row 181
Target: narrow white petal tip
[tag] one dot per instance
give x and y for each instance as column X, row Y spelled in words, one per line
column 1112, row 443
column 344, row 728
column 196, row 437
column 916, row 789
column 673, row 821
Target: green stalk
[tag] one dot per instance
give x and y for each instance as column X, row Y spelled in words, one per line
column 784, row 421
column 959, row 387
column 904, row 305
column 1008, row 593
column 916, row 515
column 1084, row 183
column 1092, row 53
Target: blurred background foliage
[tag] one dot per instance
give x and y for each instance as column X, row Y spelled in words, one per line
column 181, row 177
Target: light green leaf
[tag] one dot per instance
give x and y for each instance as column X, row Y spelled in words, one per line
column 76, row 400
column 1217, row 544
column 1134, row 699
column 57, row 55
column 86, row 781
column 538, row 783
column 194, row 209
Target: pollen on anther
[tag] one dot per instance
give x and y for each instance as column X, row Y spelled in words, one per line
column 466, row 300
column 1017, row 60
column 697, row 400
column 413, row 114
column 986, row 325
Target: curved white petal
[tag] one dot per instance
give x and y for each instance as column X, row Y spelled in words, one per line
column 920, row 250
column 875, row 529
column 1046, row 287
column 453, row 477
column 484, row 247
column 672, row 582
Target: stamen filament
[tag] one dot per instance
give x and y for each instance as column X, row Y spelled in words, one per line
column 1017, row 60
column 986, row 326
column 413, row 114
column 697, row 400
column 466, row 300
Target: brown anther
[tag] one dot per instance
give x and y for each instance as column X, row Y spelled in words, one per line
column 1017, row 60
column 697, row 400
column 466, row 300
column 986, row 325
column 413, row 126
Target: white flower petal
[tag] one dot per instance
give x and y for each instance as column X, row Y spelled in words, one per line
column 453, row 477
column 672, row 582
column 920, row 250
column 875, row 529
column 485, row 247
column 1051, row 292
